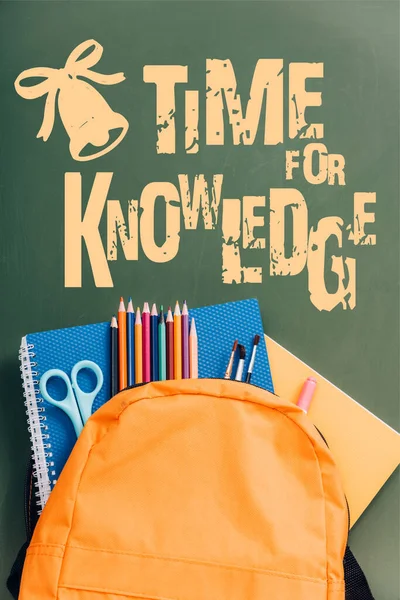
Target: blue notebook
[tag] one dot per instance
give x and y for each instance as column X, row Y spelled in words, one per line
column 217, row 328
column 52, row 433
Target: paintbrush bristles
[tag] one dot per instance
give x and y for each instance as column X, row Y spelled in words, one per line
column 228, row 371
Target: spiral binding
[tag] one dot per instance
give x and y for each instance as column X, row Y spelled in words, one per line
column 36, row 423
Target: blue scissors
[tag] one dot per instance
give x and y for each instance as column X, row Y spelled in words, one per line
column 77, row 404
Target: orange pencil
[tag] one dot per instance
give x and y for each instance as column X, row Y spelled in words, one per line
column 122, row 348
column 177, row 342
column 138, row 348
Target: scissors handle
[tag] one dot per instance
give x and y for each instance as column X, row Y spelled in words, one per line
column 85, row 399
column 68, row 404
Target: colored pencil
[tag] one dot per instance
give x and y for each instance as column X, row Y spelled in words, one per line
column 162, row 349
column 185, row 341
column 228, row 371
column 146, row 342
column 193, row 351
column 130, row 341
column 154, row 343
column 169, row 326
column 252, row 359
column 138, row 348
column 114, row 357
column 177, row 342
column 123, row 370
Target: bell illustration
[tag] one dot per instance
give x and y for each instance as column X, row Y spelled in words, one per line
column 93, row 127
column 89, row 121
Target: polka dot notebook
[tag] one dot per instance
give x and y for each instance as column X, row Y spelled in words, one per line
column 52, row 432
column 218, row 326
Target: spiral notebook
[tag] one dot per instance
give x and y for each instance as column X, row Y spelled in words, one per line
column 52, row 433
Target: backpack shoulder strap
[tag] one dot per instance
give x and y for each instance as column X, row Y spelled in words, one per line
column 356, row 585
column 31, row 517
column 14, row 578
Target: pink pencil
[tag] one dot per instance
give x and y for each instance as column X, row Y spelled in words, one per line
column 193, row 351
column 185, row 341
column 146, row 342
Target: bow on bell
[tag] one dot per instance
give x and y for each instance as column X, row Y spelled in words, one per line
column 55, row 79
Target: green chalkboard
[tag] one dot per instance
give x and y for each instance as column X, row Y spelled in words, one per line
column 356, row 348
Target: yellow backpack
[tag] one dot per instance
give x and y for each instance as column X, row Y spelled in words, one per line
column 195, row 490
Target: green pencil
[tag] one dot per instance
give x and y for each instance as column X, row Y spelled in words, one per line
column 162, row 349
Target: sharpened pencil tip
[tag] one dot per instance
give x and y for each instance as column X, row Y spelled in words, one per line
column 121, row 305
column 114, row 322
column 193, row 330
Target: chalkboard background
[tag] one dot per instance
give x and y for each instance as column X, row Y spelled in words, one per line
column 358, row 350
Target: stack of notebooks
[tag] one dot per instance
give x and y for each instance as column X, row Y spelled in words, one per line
column 52, row 432
column 366, row 450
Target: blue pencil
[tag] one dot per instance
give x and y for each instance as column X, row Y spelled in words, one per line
column 154, row 343
column 130, row 342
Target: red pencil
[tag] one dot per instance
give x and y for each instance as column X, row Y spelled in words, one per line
column 169, row 325
column 146, row 342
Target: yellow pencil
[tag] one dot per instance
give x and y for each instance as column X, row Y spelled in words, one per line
column 177, row 342
column 138, row 348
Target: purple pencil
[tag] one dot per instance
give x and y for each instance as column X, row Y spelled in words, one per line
column 185, row 341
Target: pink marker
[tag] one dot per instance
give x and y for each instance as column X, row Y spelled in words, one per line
column 146, row 342
column 306, row 394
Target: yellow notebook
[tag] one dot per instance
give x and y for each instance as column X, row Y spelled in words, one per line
column 366, row 450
